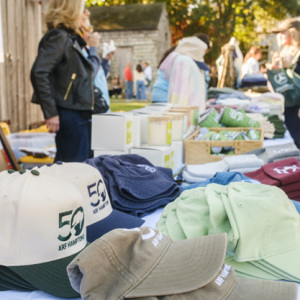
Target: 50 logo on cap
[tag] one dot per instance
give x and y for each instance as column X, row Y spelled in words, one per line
column 73, row 223
column 98, row 194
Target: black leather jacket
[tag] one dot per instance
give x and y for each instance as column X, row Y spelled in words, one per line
column 61, row 75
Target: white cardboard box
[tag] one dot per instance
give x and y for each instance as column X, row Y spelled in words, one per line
column 158, row 156
column 112, row 131
column 178, row 154
column 137, row 130
column 140, row 126
column 109, row 152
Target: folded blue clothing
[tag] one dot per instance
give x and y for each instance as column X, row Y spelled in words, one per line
column 223, row 178
column 134, row 185
column 236, row 95
column 137, row 181
column 254, row 80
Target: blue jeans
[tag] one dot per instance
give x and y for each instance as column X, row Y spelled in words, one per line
column 140, row 90
column 73, row 139
column 129, row 89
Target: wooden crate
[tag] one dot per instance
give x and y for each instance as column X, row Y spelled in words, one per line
column 199, row 152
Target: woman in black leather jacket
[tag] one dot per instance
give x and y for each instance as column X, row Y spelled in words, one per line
column 62, row 79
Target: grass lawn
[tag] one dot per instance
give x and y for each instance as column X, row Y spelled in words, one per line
column 119, row 105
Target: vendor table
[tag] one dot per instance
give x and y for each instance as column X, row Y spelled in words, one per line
column 150, row 221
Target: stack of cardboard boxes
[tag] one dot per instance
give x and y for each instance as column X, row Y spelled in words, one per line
column 155, row 132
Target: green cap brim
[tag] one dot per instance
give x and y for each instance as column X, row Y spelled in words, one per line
column 11, row 281
column 50, row 277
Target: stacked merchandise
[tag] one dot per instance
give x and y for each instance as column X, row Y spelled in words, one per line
column 253, row 80
column 224, row 135
column 228, row 117
column 145, row 264
column 134, row 185
column 272, row 125
column 284, row 174
column 48, row 216
column 101, row 216
column 279, row 126
column 278, row 152
column 262, row 226
column 239, row 163
column 265, row 124
column 213, row 92
column 273, row 101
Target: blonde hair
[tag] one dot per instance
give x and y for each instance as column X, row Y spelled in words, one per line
column 252, row 52
column 65, row 12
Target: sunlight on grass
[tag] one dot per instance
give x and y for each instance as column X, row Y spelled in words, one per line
column 119, row 105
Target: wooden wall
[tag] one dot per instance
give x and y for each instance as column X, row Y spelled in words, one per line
column 21, row 31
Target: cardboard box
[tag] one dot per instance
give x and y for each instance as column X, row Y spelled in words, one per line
column 159, row 107
column 178, row 154
column 137, row 130
column 158, row 156
column 109, row 152
column 199, row 152
column 140, row 126
column 112, row 131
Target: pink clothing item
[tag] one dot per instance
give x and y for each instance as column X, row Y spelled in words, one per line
column 166, row 65
column 186, row 79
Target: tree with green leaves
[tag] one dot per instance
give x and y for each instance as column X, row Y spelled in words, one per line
column 220, row 19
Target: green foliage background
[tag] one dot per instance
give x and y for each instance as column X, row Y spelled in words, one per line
column 220, row 19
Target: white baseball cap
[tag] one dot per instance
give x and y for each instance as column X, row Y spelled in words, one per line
column 100, row 216
column 42, row 221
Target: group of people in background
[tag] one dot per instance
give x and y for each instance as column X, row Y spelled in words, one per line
column 138, row 82
column 68, row 63
column 288, row 57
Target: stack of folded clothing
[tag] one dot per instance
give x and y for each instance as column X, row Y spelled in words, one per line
column 279, row 126
column 267, row 126
column 278, row 152
column 237, row 163
column 262, row 226
column 134, row 185
column 223, row 178
column 243, row 163
column 251, row 80
column 284, row 174
column 213, row 92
